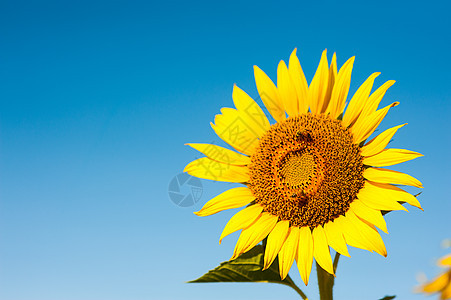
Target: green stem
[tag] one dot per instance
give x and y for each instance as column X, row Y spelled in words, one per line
column 326, row 280
column 296, row 288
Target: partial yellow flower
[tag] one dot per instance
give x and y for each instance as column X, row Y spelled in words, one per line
column 311, row 181
column 442, row 283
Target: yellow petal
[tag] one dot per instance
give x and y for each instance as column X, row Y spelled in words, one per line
column 250, row 110
column 445, row 261
column 437, row 284
column 304, row 258
column 335, row 238
column 377, row 144
column 369, row 232
column 390, row 176
column 376, row 97
column 368, row 214
column 241, row 219
column 210, row 169
column 396, row 194
column 287, row 90
column 331, row 84
column 269, row 95
column 221, row 154
column 299, row 81
column 321, row 250
column 275, row 242
column 389, row 157
column 359, row 100
column 233, row 198
column 288, row 252
column 318, row 87
column 379, row 198
column 341, row 89
column 446, row 292
column 352, row 235
column 233, row 127
column 365, row 126
column 253, row 234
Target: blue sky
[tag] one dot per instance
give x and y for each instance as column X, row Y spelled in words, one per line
column 98, row 98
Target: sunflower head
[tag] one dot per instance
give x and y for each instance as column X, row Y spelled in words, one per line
column 311, row 181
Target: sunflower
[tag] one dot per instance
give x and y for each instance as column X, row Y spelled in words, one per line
column 441, row 284
column 310, row 179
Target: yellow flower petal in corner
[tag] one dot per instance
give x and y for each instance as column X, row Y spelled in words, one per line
column 358, row 101
column 287, row 90
column 335, row 238
column 321, row 250
column 221, row 154
column 210, row 169
column 377, row 144
column 437, row 284
column 378, row 198
column 365, row 126
column 233, row 198
column 318, row 87
column 368, row 214
column 332, row 78
column 389, row 176
column 300, row 83
column 389, row 157
column 288, row 252
column 250, row 110
column 351, row 234
column 395, row 193
column 445, row 261
column 253, row 234
column 241, row 219
column 269, row 95
column 275, row 242
column 304, row 258
column 341, row 89
column 376, row 97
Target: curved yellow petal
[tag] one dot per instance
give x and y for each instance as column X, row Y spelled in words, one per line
column 446, row 292
column 331, row 84
column 321, row 249
column 365, row 126
column 377, row 144
column 369, row 232
column 358, row 101
column 368, row 214
column 335, row 238
column 241, row 219
column 352, row 235
column 438, row 284
column 445, row 261
column 389, row 157
column 341, row 89
column 233, row 198
column 304, row 258
column 269, row 95
column 390, row 176
column 376, row 97
column 250, row 110
column 378, row 198
column 253, row 234
column 318, row 87
column 299, row 81
column 287, row 90
column 288, row 252
column 234, row 128
column 275, row 241
column 221, row 154
column 395, row 193
column 210, row 169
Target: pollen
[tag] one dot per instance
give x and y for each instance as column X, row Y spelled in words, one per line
column 306, row 170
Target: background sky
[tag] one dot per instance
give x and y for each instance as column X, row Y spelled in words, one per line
column 97, row 99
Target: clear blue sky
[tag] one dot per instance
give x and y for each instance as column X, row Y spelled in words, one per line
column 97, row 99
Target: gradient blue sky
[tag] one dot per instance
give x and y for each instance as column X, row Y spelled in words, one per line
column 97, row 99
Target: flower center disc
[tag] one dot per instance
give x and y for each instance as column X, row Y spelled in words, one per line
column 306, row 170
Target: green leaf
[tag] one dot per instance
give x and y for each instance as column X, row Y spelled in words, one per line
column 388, row 298
column 248, row 268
